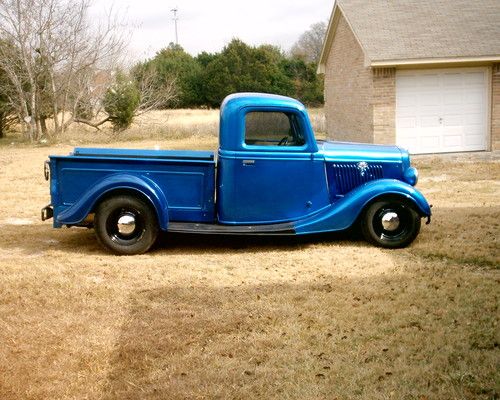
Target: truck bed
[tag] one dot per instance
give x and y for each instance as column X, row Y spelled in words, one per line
column 187, row 178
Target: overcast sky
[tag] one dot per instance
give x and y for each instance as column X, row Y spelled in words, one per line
column 209, row 25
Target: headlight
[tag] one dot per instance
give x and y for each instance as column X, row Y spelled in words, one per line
column 411, row 176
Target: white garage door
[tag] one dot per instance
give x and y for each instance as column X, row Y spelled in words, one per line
column 441, row 111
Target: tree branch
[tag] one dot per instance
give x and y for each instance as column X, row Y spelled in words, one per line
column 95, row 125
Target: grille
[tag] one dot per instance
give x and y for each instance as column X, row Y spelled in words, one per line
column 348, row 176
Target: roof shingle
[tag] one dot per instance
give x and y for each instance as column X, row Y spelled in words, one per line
column 416, row 29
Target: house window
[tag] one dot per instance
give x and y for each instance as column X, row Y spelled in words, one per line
column 269, row 128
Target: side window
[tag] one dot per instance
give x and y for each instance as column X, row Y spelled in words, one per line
column 264, row 128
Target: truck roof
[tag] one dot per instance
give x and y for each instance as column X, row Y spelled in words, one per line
column 231, row 121
column 259, row 99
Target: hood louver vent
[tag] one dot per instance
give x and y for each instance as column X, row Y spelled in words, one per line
column 347, row 176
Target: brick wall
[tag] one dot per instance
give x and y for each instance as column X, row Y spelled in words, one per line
column 495, row 108
column 384, row 105
column 348, row 89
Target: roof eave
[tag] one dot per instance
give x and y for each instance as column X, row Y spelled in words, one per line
column 430, row 61
column 330, row 35
column 327, row 43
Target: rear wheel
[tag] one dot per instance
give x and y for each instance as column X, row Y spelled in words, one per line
column 126, row 225
column 390, row 223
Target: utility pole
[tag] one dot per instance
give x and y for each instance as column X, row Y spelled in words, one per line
column 174, row 10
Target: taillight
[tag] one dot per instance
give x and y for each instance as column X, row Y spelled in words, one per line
column 46, row 170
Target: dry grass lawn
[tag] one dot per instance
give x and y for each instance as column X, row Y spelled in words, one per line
column 324, row 317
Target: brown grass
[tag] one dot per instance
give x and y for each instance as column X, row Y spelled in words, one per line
column 322, row 317
column 155, row 126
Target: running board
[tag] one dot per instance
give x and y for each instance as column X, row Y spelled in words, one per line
column 216, row 229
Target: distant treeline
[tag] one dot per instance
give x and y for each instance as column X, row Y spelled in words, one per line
column 204, row 80
column 57, row 64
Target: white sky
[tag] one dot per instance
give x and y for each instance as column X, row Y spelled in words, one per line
column 209, row 25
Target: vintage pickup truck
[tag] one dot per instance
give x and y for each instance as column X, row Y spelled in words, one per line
column 270, row 176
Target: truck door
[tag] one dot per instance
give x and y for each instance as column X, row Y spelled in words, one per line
column 276, row 175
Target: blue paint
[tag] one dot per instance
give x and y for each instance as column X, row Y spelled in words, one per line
column 344, row 212
column 74, row 212
column 277, row 187
column 236, row 106
column 314, row 186
column 144, row 154
column 179, row 189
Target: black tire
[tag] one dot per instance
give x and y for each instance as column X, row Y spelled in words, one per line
column 143, row 231
column 398, row 232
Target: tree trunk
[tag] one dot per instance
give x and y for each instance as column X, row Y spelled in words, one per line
column 32, row 130
column 43, row 126
column 25, row 121
column 34, row 125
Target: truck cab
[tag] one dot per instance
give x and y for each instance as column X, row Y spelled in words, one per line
column 269, row 176
column 269, row 166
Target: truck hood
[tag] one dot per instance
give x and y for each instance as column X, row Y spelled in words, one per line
column 357, row 163
column 345, row 152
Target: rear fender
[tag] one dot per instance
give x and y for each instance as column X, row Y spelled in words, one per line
column 144, row 186
column 345, row 211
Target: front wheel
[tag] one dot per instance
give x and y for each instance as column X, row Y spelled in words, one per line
column 126, row 225
column 390, row 223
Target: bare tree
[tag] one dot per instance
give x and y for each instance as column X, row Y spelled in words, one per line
column 50, row 53
column 7, row 111
column 151, row 96
column 309, row 45
column 7, row 118
column 154, row 95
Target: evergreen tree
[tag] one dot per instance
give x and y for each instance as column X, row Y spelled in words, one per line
column 121, row 101
column 308, row 86
column 206, row 79
column 173, row 63
column 241, row 68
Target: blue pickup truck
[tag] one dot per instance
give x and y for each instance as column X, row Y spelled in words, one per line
column 269, row 177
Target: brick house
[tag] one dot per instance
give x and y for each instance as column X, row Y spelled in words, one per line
column 424, row 74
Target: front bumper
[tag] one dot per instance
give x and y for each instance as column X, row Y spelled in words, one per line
column 47, row 212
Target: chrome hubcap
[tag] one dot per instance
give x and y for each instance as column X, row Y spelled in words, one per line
column 126, row 224
column 390, row 221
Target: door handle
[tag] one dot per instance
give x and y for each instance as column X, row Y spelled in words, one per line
column 248, row 162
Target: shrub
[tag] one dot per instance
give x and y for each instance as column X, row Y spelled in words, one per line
column 121, row 101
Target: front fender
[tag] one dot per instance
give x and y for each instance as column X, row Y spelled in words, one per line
column 344, row 212
column 77, row 212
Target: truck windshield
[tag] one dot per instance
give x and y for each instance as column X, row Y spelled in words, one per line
column 270, row 128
